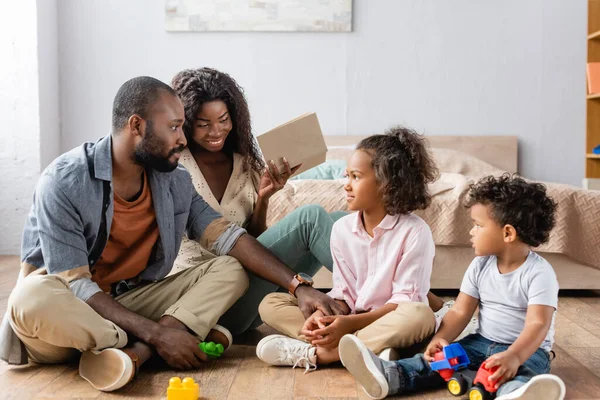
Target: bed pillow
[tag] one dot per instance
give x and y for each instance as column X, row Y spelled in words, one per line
column 447, row 160
column 331, row 169
column 457, row 162
column 340, row 152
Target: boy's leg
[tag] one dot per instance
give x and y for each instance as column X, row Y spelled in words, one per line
column 417, row 375
column 280, row 311
column 537, row 364
column 408, row 324
column 54, row 324
column 381, row 378
column 301, row 241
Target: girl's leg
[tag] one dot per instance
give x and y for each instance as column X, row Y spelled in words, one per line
column 301, row 241
column 280, row 311
column 407, row 325
column 327, row 356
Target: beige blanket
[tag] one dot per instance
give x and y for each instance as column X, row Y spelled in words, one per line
column 576, row 234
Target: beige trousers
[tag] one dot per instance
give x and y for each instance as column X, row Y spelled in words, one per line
column 407, row 325
column 55, row 325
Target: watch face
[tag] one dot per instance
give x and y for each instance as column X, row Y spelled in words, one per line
column 305, row 277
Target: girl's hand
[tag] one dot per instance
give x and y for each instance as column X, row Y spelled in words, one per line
column 311, row 324
column 336, row 326
column 437, row 344
column 272, row 181
column 507, row 364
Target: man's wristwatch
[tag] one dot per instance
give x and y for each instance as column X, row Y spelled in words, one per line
column 299, row 279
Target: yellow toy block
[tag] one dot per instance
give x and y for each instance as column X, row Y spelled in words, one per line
column 186, row 390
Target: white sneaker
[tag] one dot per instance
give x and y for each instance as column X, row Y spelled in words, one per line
column 108, row 369
column 364, row 366
column 389, row 354
column 547, row 387
column 469, row 329
column 283, row 350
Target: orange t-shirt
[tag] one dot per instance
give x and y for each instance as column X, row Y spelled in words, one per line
column 133, row 234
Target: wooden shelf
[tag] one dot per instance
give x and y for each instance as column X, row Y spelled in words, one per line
column 594, row 35
column 592, row 103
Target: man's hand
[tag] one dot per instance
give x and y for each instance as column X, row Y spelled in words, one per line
column 178, row 348
column 311, row 300
column 336, row 326
column 507, row 363
column 436, row 344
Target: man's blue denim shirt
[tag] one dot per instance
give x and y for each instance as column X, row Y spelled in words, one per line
column 63, row 229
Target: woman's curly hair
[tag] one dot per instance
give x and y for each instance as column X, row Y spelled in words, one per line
column 198, row 86
column 514, row 201
column 403, row 168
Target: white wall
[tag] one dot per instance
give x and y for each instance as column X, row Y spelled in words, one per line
column 19, row 114
column 459, row 67
column 49, row 92
column 464, row 67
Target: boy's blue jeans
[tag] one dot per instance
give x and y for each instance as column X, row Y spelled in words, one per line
column 301, row 241
column 414, row 374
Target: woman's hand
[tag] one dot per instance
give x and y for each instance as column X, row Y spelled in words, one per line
column 272, row 181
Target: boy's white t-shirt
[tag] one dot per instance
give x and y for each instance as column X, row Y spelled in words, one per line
column 503, row 298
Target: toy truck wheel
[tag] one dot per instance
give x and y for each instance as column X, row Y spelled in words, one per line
column 477, row 392
column 457, row 385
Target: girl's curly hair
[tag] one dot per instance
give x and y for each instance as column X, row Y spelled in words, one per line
column 403, row 168
column 198, row 86
column 514, row 201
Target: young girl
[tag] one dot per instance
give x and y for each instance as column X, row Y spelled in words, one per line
column 382, row 254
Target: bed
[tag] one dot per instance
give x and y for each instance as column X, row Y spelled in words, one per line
column 574, row 246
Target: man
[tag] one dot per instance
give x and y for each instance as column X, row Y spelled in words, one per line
column 103, row 231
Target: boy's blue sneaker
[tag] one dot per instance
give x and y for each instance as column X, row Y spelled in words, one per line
column 365, row 366
column 547, row 387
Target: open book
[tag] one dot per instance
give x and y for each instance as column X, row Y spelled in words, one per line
column 300, row 141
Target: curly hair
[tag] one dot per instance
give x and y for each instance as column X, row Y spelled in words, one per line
column 514, row 201
column 198, row 86
column 403, row 168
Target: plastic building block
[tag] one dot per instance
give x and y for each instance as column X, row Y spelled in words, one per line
column 211, row 349
column 186, row 390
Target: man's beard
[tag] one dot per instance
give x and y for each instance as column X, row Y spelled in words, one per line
column 148, row 152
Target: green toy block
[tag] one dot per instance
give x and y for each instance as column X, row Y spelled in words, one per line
column 211, row 349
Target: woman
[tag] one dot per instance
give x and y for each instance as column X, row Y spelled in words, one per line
column 229, row 173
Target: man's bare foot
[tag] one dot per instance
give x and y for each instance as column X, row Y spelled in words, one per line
column 219, row 334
